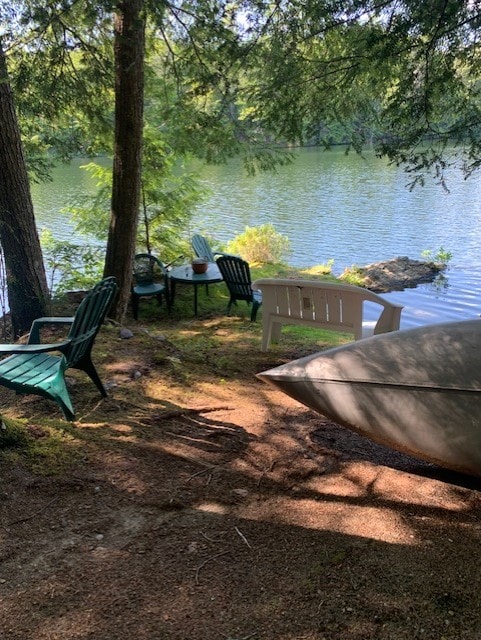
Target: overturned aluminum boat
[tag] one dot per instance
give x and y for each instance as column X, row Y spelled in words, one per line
column 417, row 391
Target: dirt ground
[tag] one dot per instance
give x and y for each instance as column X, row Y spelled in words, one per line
column 215, row 507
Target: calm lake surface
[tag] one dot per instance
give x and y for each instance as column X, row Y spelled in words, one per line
column 331, row 206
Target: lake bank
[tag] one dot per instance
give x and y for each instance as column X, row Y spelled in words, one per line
column 354, row 210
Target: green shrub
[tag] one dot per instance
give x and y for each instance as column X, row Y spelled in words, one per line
column 353, row 275
column 261, row 245
column 442, row 257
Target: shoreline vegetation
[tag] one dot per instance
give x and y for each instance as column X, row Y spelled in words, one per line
column 393, row 275
column 265, row 247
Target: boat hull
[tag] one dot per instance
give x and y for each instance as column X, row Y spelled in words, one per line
column 417, row 391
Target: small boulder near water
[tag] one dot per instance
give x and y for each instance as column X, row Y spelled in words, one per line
column 397, row 274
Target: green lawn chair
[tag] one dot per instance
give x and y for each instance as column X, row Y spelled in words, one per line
column 237, row 276
column 32, row 369
column 202, row 248
column 150, row 280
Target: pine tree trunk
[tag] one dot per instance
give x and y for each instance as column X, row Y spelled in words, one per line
column 129, row 98
column 26, row 279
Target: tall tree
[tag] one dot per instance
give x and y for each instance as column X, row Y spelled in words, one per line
column 129, row 49
column 26, row 280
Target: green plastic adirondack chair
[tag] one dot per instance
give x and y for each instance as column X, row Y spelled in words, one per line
column 202, row 248
column 33, row 369
column 236, row 274
column 150, row 279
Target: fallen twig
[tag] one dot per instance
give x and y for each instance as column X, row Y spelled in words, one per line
column 243, row 538
column 197, row 473
column 211, row 539
column 176, row 413
column 267, row 470
column 207, row 560
column 9, row 524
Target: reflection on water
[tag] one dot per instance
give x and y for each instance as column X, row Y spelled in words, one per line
column 352, row 209
column 52, row 200
column 440, row 283
column 455, row 295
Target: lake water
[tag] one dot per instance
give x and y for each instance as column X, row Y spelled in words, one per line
column 331, row 206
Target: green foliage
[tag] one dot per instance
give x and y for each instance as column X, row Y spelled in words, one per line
column 169, row 195
column 441, row 257
column 62, row 79
column 260, row 245
column 320, row 269
column 396, row 75
column 353, row 275
column 71, row 266
column 218, row 86
column 92, row 214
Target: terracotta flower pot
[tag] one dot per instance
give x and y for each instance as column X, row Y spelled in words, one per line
column 199, row 265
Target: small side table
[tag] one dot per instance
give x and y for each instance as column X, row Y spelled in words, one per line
column 185, row 275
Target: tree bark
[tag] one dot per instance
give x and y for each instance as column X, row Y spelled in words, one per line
column 25, row 270
column 129, row 50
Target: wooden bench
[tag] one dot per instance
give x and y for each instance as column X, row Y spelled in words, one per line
column 326, row 305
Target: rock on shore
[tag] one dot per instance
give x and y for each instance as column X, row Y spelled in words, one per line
column 397, row 274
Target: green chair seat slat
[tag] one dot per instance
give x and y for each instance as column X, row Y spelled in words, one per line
column 18, row 365
column 30, row 369
column 151, row 289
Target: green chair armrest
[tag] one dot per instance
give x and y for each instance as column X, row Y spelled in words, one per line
column 34, row 348
column 38, row 323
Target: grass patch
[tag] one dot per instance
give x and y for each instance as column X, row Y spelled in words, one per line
column 323, row 338
column 12, row 434
column 353, row 275
column 43, row 449
column 213, row 339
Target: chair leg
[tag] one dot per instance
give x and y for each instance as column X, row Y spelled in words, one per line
column 229, row 306
column 135, row 307
column 67, row 409
column 59, row 393
column 88, row 367
column 255, row 307
column 168, row 301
